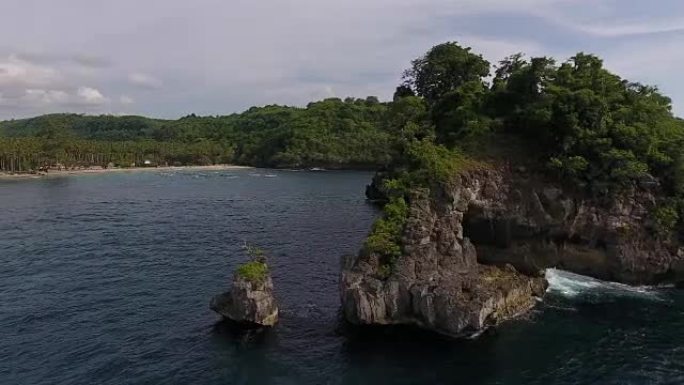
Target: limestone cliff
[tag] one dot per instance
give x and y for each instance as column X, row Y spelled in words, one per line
column 473, row 252
column 535, row 224
column 248, row 301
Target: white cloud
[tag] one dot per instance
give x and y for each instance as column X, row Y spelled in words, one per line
column 39, row 83
column 42, row 96
column 216, row 57
column 17, row 72
column 90, row 95
column 144, row 80
column 36, row 97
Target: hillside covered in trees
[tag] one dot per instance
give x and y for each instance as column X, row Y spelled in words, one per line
column 577, row 119
column 332, row 133
column 573, row 122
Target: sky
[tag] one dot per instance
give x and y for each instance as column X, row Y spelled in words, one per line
column 170, row 58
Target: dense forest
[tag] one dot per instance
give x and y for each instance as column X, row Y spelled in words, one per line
column 573, row 121
column 332, row 133
column 582, row 122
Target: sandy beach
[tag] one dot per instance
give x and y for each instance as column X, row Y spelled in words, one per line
column 96, row 171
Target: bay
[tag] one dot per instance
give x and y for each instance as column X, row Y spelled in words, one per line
column 105, row 279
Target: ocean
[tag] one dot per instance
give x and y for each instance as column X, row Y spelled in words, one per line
column 106, row 279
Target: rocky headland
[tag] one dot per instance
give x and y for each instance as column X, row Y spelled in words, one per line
column 474, row 251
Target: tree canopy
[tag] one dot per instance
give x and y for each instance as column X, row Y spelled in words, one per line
column 586, row 123
column 575, row 121
column 330, row 133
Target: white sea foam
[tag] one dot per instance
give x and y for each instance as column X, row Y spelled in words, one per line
column 574, row 285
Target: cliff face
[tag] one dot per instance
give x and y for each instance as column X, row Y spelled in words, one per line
column 533, row 225
column 474, row 252
column 438, row 283
column 248, row 302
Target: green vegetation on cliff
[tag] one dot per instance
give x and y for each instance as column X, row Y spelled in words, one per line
column 585, row 123
column 253, row 271
column 256, row 270
column 385, row 237
column 575, row 121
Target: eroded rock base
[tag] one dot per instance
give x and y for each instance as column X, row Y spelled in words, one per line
column 248, row 302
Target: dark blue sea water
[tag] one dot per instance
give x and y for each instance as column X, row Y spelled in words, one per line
column 106, row 280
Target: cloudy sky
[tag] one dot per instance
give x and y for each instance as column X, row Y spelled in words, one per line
column 169, row 58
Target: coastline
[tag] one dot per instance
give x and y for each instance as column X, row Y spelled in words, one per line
column 98, row 171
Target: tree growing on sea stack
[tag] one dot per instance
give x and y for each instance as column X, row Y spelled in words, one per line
column 250, row 300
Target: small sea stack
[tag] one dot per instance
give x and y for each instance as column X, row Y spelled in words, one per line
column 250, row 300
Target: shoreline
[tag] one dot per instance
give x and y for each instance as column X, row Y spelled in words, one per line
column 99, row 171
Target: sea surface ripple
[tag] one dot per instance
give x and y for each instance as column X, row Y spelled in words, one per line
column 105, row 279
